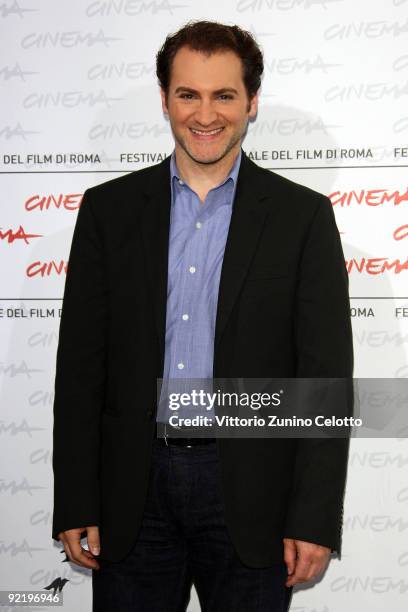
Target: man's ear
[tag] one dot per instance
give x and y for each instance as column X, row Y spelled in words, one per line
column 253, row 106
column 163, row 101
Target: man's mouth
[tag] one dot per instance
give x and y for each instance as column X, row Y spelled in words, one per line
column 205, row 134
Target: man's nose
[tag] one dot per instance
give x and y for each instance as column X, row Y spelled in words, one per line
column 205, row 114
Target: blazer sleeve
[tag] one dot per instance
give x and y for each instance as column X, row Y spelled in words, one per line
column 324, row 350
column 80, row 377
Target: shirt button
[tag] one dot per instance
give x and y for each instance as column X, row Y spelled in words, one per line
column 181, row 182
column 192, row 269
column 180, row 366
column 198, row 225
column 185, row 317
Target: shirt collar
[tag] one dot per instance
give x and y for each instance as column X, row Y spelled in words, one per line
column 233, row 174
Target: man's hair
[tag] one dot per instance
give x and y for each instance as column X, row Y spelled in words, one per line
column 210, row 37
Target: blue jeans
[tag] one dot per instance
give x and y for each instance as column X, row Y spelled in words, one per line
column 183, row 541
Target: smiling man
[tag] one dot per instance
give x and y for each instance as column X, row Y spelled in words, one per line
column 230, row 271
column 208, row 123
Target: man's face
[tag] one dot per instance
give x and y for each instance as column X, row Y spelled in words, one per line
column 207, row 104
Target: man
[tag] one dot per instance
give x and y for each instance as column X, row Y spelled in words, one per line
column 204, row 265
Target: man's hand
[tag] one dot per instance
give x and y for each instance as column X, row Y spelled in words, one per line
column 304, row 560
column 71, row 540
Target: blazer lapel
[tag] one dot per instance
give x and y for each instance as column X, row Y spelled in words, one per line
column 155, row 227
column 247, row 220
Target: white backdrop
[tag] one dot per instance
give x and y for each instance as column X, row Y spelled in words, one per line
column 80, row 105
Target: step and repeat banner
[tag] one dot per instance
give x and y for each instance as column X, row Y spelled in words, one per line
column 80, row 106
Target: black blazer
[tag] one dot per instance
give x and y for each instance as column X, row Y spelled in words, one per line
column 283, row 311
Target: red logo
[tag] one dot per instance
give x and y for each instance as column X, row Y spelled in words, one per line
column 71, row 201
column 20, row 234
column 368, row 197
column 47, row 268
column 401, row 232
column 376, row 265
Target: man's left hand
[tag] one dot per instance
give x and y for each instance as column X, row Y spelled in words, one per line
column 304, row 560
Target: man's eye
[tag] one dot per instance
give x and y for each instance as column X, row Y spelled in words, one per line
column 186, row 96
column 225, row 97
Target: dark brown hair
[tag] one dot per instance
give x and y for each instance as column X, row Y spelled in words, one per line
column 210, row 37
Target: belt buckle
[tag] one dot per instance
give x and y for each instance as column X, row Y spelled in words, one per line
column 166, row 437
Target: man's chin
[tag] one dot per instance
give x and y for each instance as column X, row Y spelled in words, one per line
column 206, row 161
column 207, row 158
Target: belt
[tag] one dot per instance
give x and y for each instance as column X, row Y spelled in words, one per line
column 185, row 442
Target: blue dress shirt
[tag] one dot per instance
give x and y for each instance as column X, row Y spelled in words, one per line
column 198, row 234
